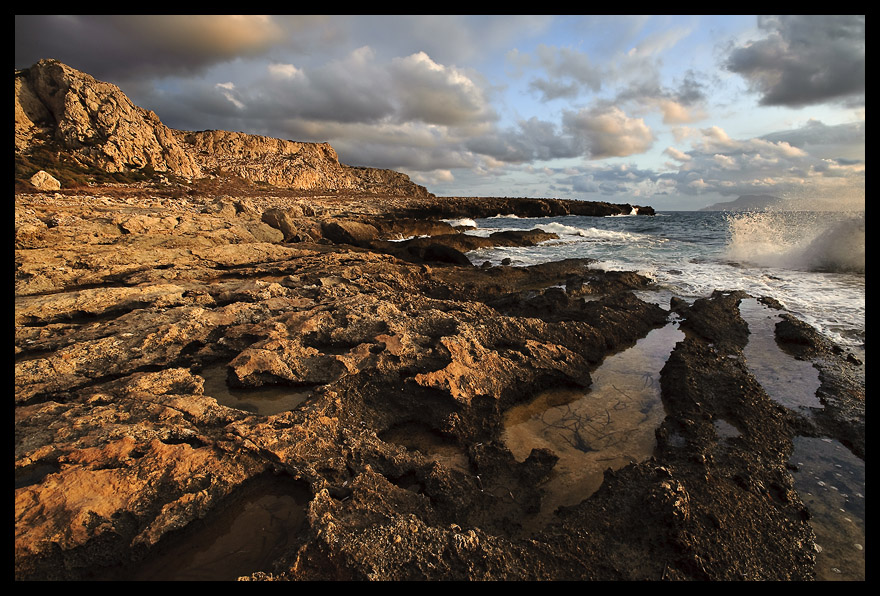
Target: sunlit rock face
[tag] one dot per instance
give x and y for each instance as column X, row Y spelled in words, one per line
column 62, row 109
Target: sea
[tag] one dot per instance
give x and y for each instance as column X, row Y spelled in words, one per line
column 812, row 262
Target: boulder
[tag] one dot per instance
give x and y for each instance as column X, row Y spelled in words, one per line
column 349, row 232
column 45, row 181
column 283, row 220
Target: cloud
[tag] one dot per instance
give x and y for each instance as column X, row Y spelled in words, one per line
column 593, row 133
column 532, row 140
column 676, row 113
column 634, row 77
column 568, row 71
column 228, row 91
column 608, row 132
column 676, row 154
column 436, row 94
column 684, row 105
column 353, row 88
column 284, row 71
column 718, row 165
column 555, row 89
column 804, row 60
column 721, row 164
column 612, row 180
column 841, row 142
column 119, row 46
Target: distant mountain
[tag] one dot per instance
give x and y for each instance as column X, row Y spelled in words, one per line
column 745, row 203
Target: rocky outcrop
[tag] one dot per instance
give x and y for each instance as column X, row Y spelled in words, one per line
column 68, row 110
column 305, row 166
column 61, row 110
column 178, row 367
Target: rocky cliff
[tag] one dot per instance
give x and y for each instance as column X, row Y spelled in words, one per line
column 67, row 121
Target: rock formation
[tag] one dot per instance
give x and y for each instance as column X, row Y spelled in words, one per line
column 59, row 109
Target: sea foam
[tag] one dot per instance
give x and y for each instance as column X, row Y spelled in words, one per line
column 809, row 241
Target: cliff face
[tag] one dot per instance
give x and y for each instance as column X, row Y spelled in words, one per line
column 289, row 164
column 96, row 125
column 95, row 122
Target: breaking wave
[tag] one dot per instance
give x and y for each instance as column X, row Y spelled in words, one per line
column 461, row 222
column 810, row 241
column 588, row 233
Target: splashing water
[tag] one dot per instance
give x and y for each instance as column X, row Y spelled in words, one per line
column 808, row 241
column 812, row 262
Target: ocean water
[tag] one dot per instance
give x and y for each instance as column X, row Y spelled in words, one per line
column 812, row 262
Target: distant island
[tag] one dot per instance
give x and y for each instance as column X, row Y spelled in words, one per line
column 746, row 203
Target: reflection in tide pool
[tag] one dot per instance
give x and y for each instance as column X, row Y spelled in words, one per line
column 788, row 381
column 266, row 401
column 831, row 482
column 608, row 426
column 236, row 543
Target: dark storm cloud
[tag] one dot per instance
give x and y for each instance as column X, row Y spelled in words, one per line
column 805, row 60
column 123, row 46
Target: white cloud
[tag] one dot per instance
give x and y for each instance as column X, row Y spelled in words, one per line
column 430, row 92
column 676, row 154
column 228, row 91
column 676, row 113
column 284, row 71
column 609, row 132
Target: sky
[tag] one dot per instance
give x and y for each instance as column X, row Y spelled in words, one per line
column 673, row 111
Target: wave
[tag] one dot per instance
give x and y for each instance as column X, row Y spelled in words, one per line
column 815, row 241
column 587, row 233
column 463, row 221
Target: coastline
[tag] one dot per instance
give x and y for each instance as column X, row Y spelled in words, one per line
column 408, row 358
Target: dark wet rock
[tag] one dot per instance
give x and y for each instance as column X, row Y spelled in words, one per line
column 466, row 242
column 438, row 253
column 401, row 229
column 842, row 382
column 716, row 320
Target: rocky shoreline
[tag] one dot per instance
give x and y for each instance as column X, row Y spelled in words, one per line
column 405, row 356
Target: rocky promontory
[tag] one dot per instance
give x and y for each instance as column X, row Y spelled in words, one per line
column 67, row 120
column 223, row 377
